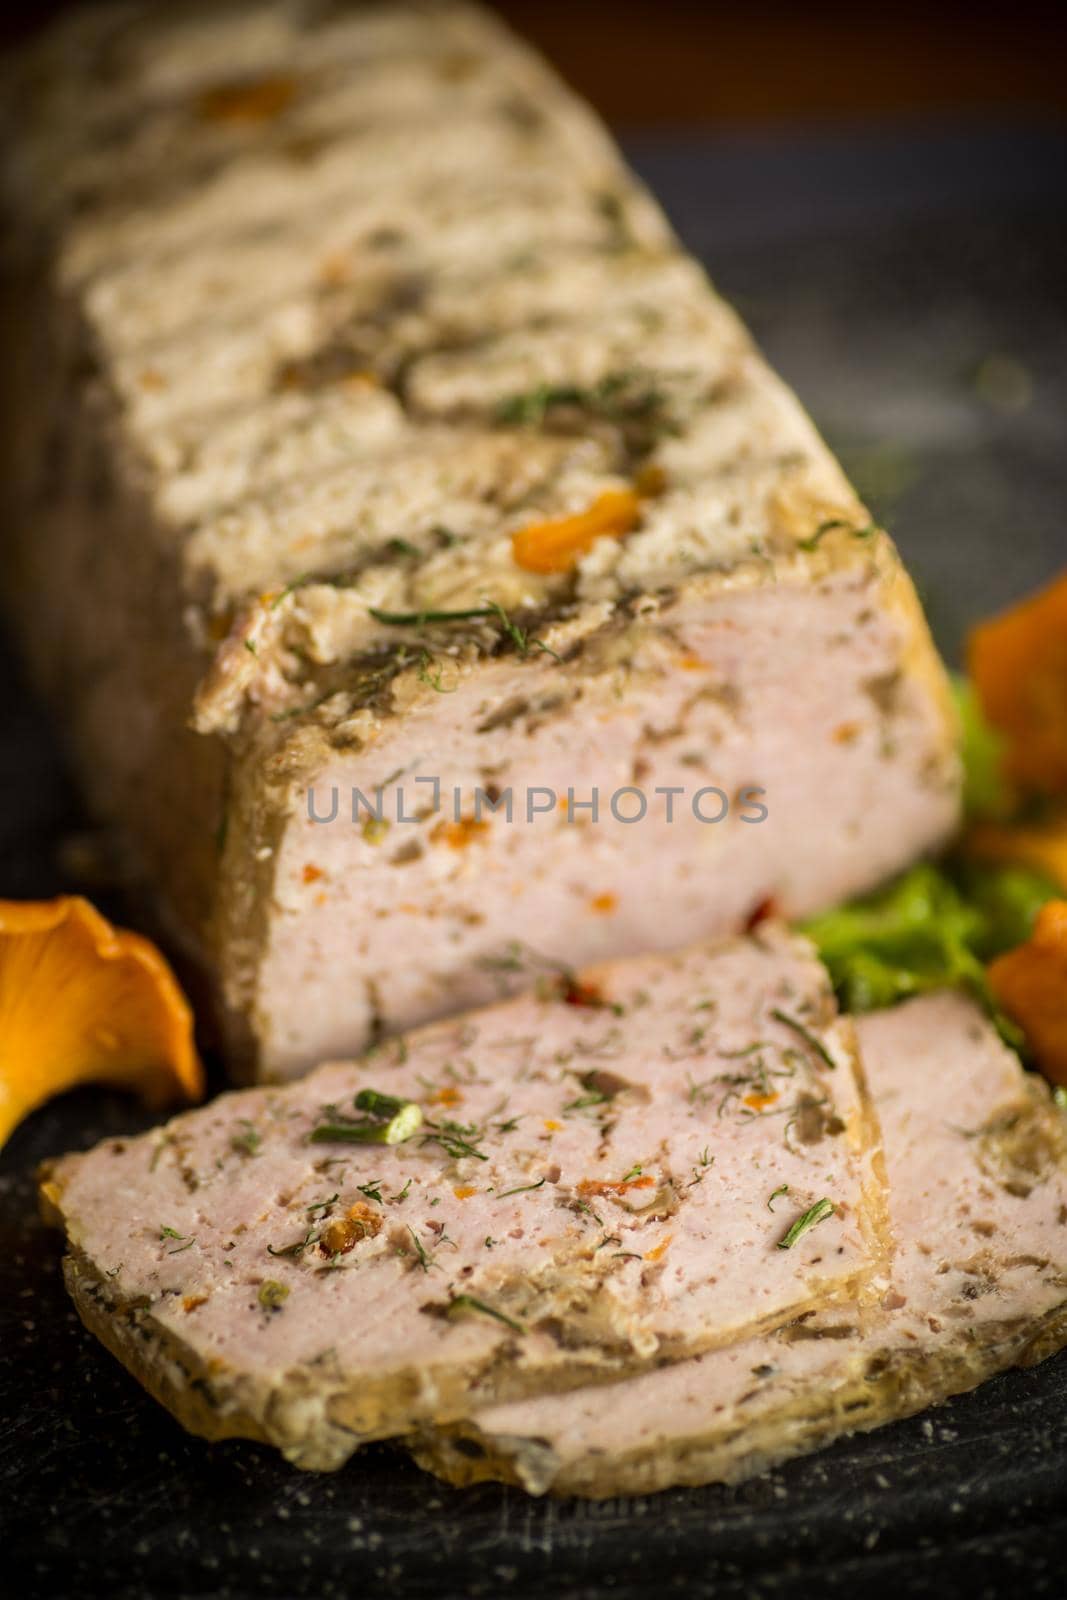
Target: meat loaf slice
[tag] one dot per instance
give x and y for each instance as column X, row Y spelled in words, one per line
column 977, row 1161
column 586, row 1195
column 366, row 415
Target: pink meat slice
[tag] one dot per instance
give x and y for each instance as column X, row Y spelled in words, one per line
column 977, row 1163
column 586, row 1196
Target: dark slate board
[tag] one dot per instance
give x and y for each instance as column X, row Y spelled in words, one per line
column 882, row 274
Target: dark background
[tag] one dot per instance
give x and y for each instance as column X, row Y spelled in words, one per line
column 748, row 64
column 884, row 195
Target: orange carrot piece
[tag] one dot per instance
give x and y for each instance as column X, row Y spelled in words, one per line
column 248, row 102
column 556, row 546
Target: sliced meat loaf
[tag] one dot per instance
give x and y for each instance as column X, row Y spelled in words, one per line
column 365, row 410
column 586, row 1195
column 977, row 1161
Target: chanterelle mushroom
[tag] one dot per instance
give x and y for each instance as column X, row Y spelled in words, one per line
column 84, row 1002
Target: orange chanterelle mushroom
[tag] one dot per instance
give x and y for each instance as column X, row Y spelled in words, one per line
column 84, row 1002
column 1018, row 662
column 1030, row 982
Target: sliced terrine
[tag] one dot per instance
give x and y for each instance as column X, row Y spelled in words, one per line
column 977, row 1161
column 570, row 1185
column 366, row 416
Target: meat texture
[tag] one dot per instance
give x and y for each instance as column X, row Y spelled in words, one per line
column 977, row 1161
column 586, row 1195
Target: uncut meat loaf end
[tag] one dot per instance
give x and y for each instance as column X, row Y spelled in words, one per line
column 369, row 433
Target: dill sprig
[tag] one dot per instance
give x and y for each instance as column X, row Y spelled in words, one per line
column 297, row 1247
column 248, row 1142
column 809, row 1038
column 815, row 1214
column 421, row 619
column 521, row 1188
column 172, row 1233
column 491, row 611
column 457, row 1139
column 469, row 1302
column 424, row 1258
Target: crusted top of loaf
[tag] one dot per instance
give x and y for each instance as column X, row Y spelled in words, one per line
column 367, row 292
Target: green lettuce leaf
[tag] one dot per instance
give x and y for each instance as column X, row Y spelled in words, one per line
column 932, row 928
column 986, row 792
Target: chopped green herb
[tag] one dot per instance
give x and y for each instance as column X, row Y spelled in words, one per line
column 492, row 610
column 468, row 1302
column 321, row 1205
column 433, row 675
column 634, row 1172
column 297, row 1247
column 420, row 619
column 782, row 1189
column 455, row 1139
column 290, row 588
column 272, row 1294
column 404, row 1191
column 248, row 1142
column 388, row 1121
column 383, row 1106
column 301, row 710
column 402, row 547
column 624, row 398
column 531, row 407
column 747, row 1050
column 371, row 1190
column 171, row 1233
column 520, row 637
column 809, row 1038
column 704, row 1160
column 425, row 1261
column 814, row 1215
column 521, row 1188
column 836, row 522
column 697, row 1092
column 583, row 1102
column 595, row 1094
